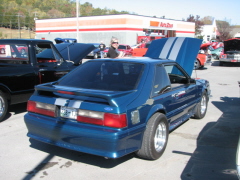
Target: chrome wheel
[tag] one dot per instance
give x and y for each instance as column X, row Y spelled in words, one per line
column 160, row 137
column 203, row 104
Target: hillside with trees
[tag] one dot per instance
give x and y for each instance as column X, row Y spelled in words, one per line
column 20, row 14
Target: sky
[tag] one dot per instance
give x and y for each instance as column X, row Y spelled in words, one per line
column 175, row 9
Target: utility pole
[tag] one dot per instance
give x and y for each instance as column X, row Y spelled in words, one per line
column 19, row 28
column 77, row 16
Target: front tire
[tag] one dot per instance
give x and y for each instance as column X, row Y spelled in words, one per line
column 155, row 138
column 196, row 64
column 201, row 108
column 3, row 106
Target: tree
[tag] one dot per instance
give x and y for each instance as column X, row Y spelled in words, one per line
column 207, row 20
column 224, row 30
column 198, row 24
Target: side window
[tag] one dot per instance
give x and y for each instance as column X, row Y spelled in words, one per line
column 161, row 82
column 176, row 76
column 14, row 53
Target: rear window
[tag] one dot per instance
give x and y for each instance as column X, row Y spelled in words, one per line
column 105, row 75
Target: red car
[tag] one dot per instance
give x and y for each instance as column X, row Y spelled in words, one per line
column 2, row 49
column 124, row 48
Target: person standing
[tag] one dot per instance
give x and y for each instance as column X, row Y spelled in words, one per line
column 102, row 47
column 113, row 49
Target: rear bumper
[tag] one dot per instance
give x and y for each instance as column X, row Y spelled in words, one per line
column 97, row 140
column 229, row 60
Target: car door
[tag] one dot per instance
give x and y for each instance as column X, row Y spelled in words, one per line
column 17, row 73
column 172, row 90
column 183, row 91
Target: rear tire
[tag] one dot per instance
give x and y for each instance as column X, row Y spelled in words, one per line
column 201, row 108
column 155, row 137
column 3, row 106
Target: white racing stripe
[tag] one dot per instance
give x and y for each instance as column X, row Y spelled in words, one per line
column 61, row 101
column 74, row 104
column 166, row 48
column 68, row 103
column 176, row 48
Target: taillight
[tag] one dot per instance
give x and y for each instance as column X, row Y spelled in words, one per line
column 115, row 120
column 66, row 92
column 41, row 108
column 103, row 119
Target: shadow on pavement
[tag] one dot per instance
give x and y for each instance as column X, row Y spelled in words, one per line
column 72, row 156
column 215, row 155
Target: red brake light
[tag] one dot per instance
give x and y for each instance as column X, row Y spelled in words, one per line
column 102, row 119
column 41, row 108
column 66, row 92
column 115, row 120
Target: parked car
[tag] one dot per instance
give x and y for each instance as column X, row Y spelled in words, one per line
column 126, row 49
column 65, row 40
column 201, row 60
column 42, row 62
column 231, row 51
column 96, row 52
column 2, row 49
column 216, row 52
column 118, row 106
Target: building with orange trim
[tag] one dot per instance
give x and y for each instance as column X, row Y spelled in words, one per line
column 129, row 29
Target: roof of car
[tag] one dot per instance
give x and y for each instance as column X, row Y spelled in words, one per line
column 23, row 40
column 145, row 60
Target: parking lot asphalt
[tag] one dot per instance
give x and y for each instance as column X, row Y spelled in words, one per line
column 198, row 149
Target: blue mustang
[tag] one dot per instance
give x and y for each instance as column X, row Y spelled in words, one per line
column 113, row 107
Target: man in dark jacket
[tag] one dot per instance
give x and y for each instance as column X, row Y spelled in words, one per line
column 102, row 48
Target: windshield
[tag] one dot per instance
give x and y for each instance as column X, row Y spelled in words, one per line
column 105, row 75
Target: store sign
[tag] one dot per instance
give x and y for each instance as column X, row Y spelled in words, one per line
column 161, row 24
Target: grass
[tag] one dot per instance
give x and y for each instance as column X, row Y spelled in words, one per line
column 16, row 34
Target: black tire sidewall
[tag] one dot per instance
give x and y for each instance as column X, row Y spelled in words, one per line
column 6, row 106
column 160, row 118
column 198, row 114
column 198, row 64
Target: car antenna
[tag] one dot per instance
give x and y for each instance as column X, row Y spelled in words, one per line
column 195, row 73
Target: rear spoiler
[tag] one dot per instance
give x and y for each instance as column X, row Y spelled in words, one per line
column 112, row 97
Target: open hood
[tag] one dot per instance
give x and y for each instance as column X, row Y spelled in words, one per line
column 205, row 45
column 74, row 51
column 232, row 45
column 183, row 50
